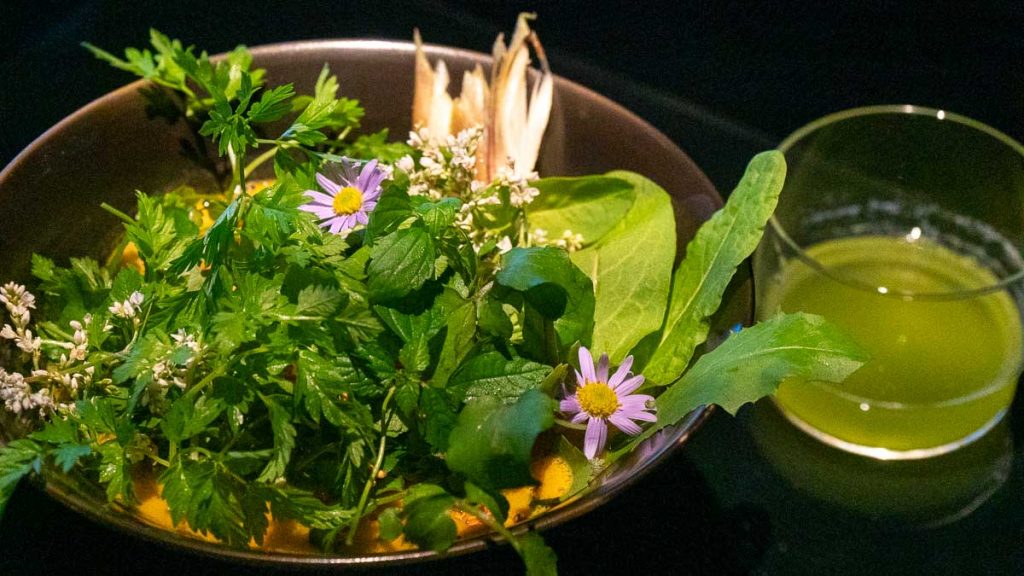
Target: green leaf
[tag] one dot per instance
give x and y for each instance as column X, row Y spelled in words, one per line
column 320, row 384
column 539, row 558
column 491, row 374
column 581, row 468
column 272, row 105
column 752, row 363
column 590, row 205
column 492, row 442
column 318, row 301
column 393, row 207
column 458, row 341
column 631, row 268
column 721, row 244
column 284, row 441
column 188, row 417
column 438, row 417
column 427, row 523
column 534, row 271
column 437, row 216
column 400, row 263
column 17, row 460
column 496, row 503
column 390, row 524
column 67, row 455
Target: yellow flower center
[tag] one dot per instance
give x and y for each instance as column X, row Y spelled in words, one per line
column 347, row 201
column 598, row 399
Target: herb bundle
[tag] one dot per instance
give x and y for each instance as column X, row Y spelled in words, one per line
column 374, row 335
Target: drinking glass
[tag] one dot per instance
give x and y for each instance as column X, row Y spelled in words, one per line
column 903, row 225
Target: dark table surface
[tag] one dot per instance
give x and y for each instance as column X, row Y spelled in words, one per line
column 747, row 494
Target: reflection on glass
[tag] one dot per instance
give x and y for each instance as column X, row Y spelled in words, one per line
column 920, row 493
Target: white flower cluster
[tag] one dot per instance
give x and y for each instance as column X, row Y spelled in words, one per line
column 168, row 372
column 520, row 193
column 18, row 302
column 18, row 396
column 445, row 168
column 569, row 240
column 129, row 308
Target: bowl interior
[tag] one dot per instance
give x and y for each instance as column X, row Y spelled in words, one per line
column 50, row 198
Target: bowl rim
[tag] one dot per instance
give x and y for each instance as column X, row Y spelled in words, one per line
column 124, row 520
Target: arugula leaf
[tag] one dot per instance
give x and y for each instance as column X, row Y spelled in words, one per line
column 752, row 363
column 721, row 244
column 492, row 442
column 631, row 268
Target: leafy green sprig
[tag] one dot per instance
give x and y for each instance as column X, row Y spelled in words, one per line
column 264, row 367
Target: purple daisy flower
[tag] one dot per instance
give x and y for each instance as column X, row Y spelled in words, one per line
column 350, row 195
column 599, row 400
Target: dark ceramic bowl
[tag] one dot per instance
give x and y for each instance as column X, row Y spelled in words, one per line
column 50, row 198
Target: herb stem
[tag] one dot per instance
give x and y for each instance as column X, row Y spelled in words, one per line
column 372, row 480
column 489, row 521
column 259, row 160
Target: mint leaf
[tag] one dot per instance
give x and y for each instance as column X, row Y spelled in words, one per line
column 492, row 442
column 400, row 263
column 631, row 268
column 721, row 244
column 427, row 523
column 556, row 287
column 491, row 374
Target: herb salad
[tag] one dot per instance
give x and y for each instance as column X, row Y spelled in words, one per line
column 383, row 333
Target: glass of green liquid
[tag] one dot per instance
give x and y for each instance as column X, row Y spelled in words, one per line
column 903, row 225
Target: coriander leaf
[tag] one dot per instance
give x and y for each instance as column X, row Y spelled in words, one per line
column 272, row 105
column 427, row 523
column 188, row 417
column 590, row 205
column 631, row 268
column 284, row 441
column 318, row 301
column 492, row 442
column 753, row 362
column 491, row 374
column 556, row 287
column 721, row 244
column 17, row 460
column 400, row 263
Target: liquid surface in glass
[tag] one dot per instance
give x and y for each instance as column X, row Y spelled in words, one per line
column 940, row 370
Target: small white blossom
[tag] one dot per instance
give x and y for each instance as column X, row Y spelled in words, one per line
column 504, row 245
column 406, row 164
column 18, row 396
column 127, row 309
column 18, row 302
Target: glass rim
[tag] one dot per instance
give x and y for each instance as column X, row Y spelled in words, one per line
column 895, row 110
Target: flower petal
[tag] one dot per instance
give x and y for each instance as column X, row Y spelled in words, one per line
column 602, row 369
column 322, row 212
column 327, row 184
column 579, row 418
column 361, row 217
column 570, row 404
column 362, row 183
column 625, row 424
column 337, row 224
column 587, row 365
column 629, row 385
column 621, row 373
column 369, row 205
column 319, row 197
column 597, row 434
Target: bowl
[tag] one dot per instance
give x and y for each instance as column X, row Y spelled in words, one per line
column 50, row 198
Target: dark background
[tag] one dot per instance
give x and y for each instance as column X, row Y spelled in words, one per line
column 723, row 80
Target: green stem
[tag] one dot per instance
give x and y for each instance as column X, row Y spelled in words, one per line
column 259, row 160
column 128, row 219
column 372, row 480
column 489, row 521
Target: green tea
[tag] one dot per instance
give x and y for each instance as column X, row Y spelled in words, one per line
column 940, row 369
